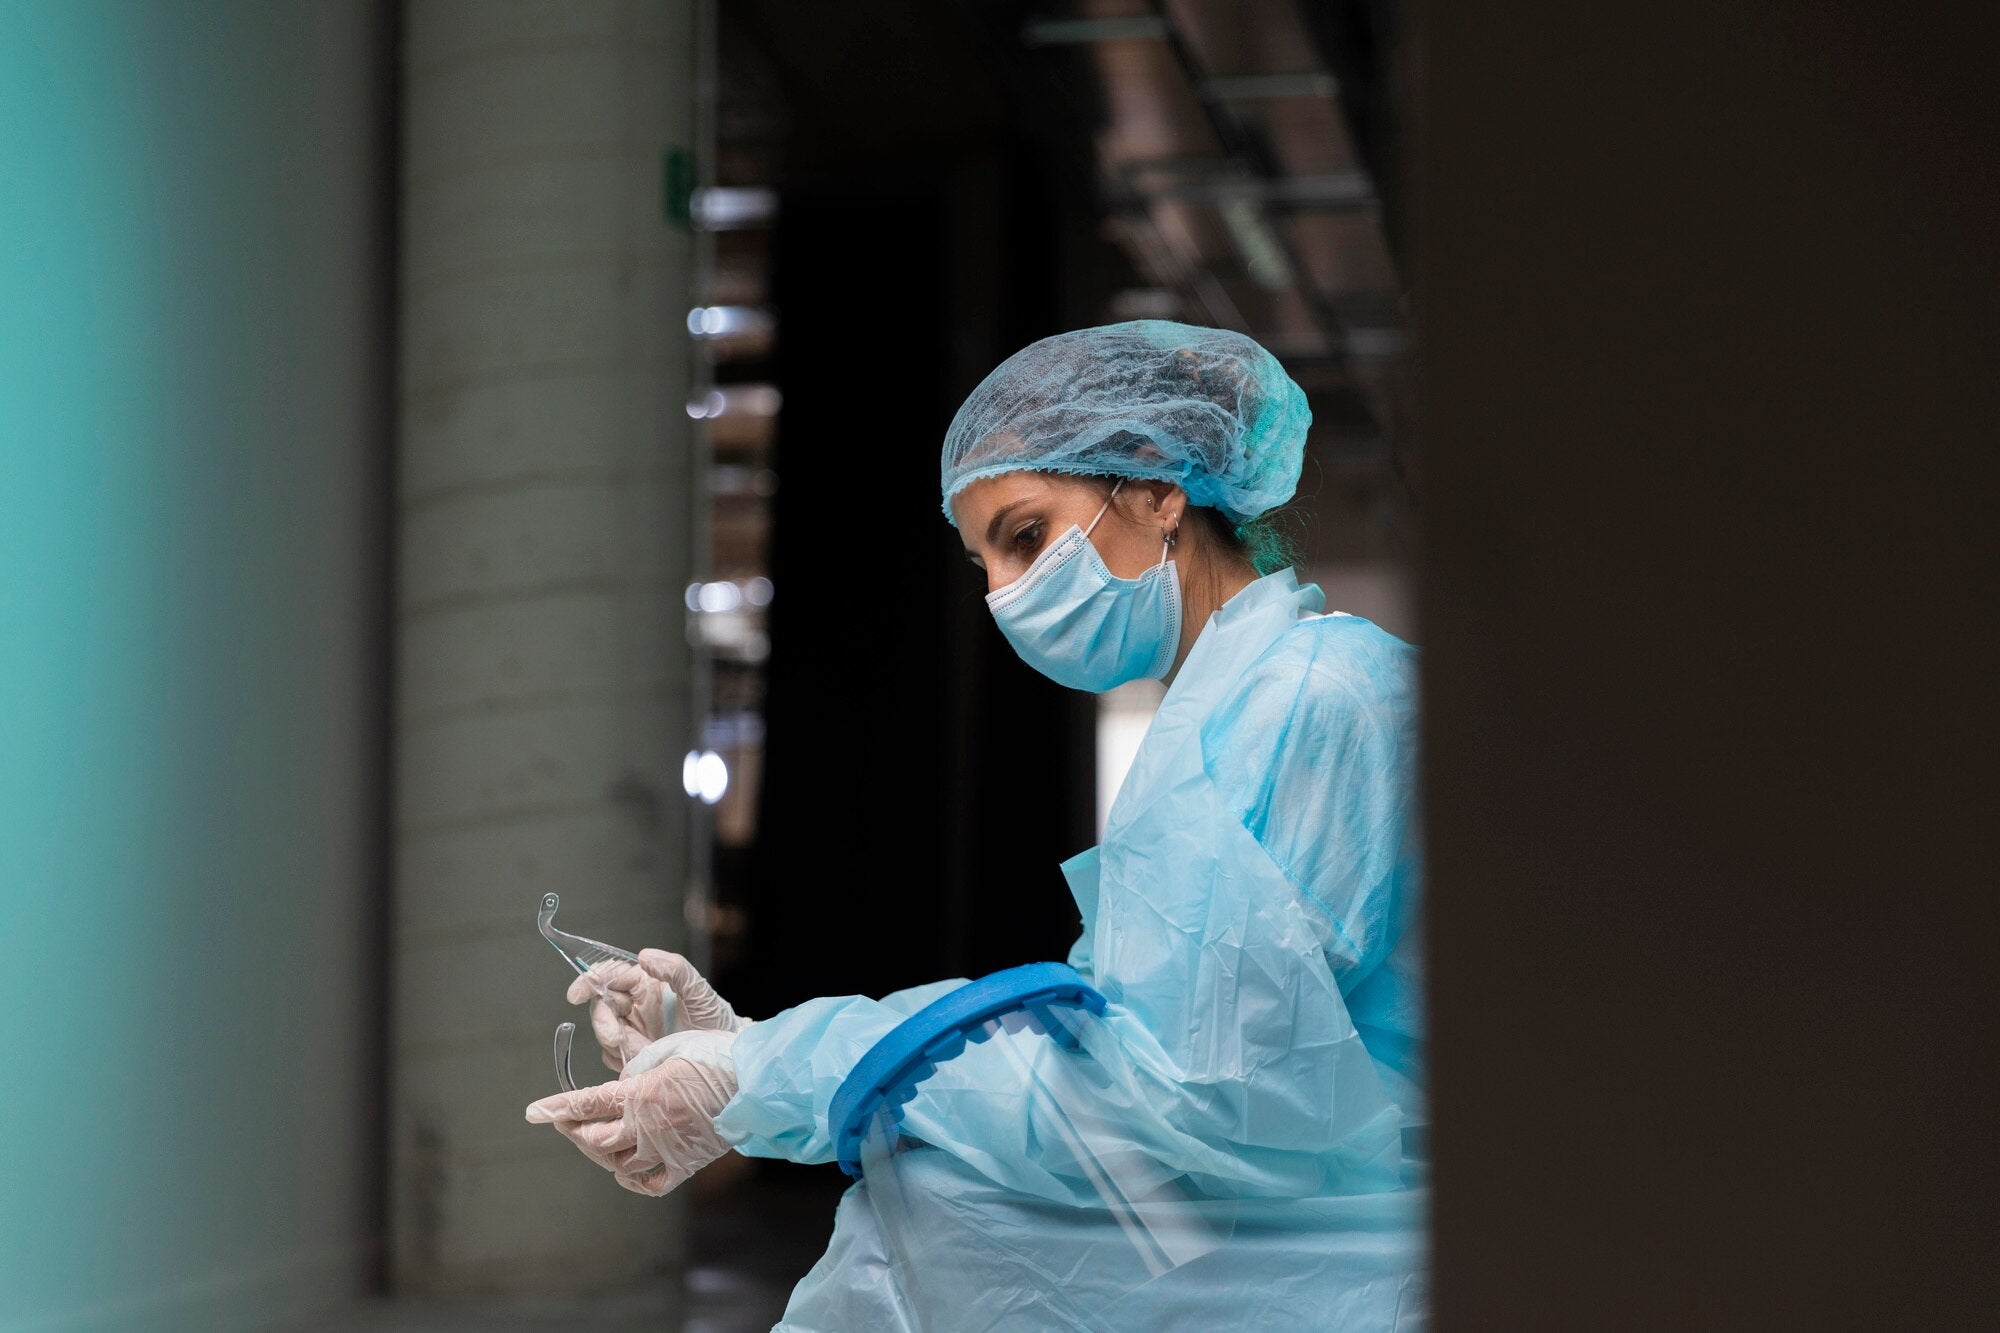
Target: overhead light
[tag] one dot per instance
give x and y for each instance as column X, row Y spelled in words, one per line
column 719, row 598
column 729, row 321
column 732, row 208
column 738, row 730
column 734, row 479
column 704, row 776
column 1262, row 253
column 1083, row 32
column 746, row 400
column 724, row 596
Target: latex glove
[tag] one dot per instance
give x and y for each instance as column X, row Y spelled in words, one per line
column 655, row 1127
column 632, row 1007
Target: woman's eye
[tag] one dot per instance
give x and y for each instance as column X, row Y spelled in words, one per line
column 1028, row 538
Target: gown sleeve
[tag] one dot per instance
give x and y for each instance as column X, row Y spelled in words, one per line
column 788, row 1068
column 1227, row 1056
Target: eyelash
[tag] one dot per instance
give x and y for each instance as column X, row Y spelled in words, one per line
column 1028, row 538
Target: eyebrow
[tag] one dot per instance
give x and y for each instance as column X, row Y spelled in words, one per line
column 1000, row 515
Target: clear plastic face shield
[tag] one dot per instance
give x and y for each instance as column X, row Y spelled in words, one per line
column 1042, row 1079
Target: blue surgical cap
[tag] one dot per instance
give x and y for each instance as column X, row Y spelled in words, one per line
column 1206, row 409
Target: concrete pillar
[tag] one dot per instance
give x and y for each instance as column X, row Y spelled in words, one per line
column 544, row 505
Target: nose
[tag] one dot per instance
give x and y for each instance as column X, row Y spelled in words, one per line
column 996, row 579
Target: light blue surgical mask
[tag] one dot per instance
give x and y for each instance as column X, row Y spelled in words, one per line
column 1073, row 620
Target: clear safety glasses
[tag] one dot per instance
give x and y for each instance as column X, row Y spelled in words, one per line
column 590, row 958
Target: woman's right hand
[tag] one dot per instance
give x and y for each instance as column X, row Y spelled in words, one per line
column 633, row 1006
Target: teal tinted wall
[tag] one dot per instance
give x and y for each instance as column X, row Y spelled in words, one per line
column 192, row 389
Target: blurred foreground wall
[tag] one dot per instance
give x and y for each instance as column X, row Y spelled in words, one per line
column 193, row 366
column 1707, row 304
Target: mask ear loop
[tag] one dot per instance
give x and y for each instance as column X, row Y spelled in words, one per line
column 1107, row 507
column 1173, row 535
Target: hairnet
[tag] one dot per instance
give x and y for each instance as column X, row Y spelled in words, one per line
column 1206, row 409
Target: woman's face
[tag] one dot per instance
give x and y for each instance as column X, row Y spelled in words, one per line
column 1008, row 520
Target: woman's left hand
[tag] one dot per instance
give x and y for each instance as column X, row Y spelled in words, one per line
column 635, row 1004
column 655, row 1126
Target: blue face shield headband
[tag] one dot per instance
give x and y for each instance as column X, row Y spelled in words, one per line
column 1073, row 620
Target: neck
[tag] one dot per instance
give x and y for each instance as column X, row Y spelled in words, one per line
column 1204, row 588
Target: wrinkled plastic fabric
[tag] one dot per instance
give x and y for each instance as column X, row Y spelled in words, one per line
column 1134, row 1216
column 1207, row 409
column 991, row 1259
column 1250, row 917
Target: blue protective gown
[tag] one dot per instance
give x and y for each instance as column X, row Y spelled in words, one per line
column 1251, row 917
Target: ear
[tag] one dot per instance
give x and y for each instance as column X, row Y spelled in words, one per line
column 1167, row 502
